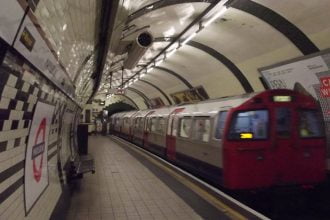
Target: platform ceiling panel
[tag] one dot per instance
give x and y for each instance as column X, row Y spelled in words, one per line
column 164, row 81
column 309, row 16
column 166, row 22
column 201, row 69
column 223, row 57
column 242, row 36
column 169, row 21
column 70, row 27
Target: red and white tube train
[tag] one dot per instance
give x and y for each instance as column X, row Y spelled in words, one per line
column 259, row 140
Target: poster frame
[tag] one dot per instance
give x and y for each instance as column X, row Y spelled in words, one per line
column 296, row 59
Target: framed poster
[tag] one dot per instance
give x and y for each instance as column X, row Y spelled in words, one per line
column 195, row 94
column 301, row 74
column 36, row 161
column 157, row 102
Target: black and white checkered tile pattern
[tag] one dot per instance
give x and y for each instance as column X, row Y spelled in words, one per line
column 21, row 87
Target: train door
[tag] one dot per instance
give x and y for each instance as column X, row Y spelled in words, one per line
column 135, row 128
column 171, row 133
column 298, row 148
column 283, row 146
column 130, row 128
column 146, row 129
column 311, row 142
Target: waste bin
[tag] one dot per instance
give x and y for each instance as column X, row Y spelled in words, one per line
column 82, row 135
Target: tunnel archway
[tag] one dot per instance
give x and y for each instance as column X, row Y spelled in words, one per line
column 119, row 107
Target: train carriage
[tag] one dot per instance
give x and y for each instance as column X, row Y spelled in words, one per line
column 127, row 125
column 138, row 130
column 116, row 119
column 251, row 141
column 267, row 144
column 155, row 130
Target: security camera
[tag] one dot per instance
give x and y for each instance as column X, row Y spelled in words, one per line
column 138, row 48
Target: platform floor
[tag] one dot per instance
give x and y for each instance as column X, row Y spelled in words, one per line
column 127, row 186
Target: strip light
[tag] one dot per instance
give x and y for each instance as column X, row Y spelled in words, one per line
column 158, row 62
column 171, row 53
column 142, row 75
column 189, row 38
column 149, row 69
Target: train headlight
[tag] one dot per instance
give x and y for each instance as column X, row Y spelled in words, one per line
column 246, row 135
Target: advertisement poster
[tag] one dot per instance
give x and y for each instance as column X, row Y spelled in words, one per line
column 309, row 75
column 157, row 102
column 36, row 170
column 299, row 75
column 191, row 95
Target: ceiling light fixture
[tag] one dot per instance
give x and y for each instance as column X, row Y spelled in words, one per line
column 158, row 62
column 170, row 53
column 149, row 69
column 189, row 38
column 150, row 7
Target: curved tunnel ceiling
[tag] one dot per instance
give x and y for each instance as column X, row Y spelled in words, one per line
column 223, row 57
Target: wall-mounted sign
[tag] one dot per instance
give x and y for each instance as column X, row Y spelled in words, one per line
column 191, row 95
column 51, row 68
column 36, row 162
column 27, row 39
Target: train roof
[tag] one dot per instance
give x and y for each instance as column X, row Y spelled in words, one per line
column 211, row 106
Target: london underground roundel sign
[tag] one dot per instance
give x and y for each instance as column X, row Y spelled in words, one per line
column 36, row 160
column 38, row 150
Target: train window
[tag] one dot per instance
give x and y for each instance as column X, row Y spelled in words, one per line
column 185, row 127
column 201, row 129
column 175, row 126
column 249, row 124
column 148, row 124
column 126, row 121
column 136, row 122
column 154, row 122
column 283, row 122
column 140, row 126
column 161, row 126
column 220, row 124
column 310, row 124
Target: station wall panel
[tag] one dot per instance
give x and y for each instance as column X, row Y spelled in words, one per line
column 21, row 88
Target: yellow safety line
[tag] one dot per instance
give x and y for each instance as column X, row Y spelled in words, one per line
column 201, row 192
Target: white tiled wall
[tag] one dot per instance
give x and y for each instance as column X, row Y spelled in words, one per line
column 18, row 97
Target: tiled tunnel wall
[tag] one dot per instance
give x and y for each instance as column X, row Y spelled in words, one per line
column 21, row 87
